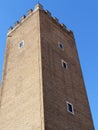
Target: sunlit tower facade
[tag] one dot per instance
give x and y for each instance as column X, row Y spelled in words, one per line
column 42, row 85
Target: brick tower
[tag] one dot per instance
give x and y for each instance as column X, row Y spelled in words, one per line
column 42, row 86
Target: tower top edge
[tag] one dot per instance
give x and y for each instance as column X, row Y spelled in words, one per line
column 37, row 7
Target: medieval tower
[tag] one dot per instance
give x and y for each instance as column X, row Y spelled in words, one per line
column 42, row 86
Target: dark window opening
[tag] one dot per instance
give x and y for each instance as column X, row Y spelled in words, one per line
column 60, row 45
column 64, row 65
column 21, row 44
column 70, row 108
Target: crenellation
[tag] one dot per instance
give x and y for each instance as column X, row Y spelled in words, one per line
column 56, row 19
column 38, row 7
column 30, row 11
column 69, row 31
column 22, row 18
column 65, row 28
column 48, row 12
column 62, row 25
column 57, row 22
column 10, row 29
column 16, row 23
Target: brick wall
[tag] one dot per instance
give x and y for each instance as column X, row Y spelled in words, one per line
column 21, row 104
column 61, row 85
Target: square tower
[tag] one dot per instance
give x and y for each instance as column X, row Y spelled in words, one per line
column 42, row 87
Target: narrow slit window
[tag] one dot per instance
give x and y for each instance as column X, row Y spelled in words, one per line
column 64, row 64
column 70, row 108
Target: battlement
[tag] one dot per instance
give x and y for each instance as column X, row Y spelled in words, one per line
column 30, row 12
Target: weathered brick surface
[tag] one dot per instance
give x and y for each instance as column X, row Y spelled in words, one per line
column 60, row 85
column 21, row 104
column 35, row 86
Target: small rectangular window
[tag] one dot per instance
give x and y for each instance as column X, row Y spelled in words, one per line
column 60, row 45
column 70, row 108
column 21, row 44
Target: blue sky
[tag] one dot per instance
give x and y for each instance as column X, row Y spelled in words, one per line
column 79, row 16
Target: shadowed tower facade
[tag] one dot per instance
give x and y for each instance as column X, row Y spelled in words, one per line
column 42, row 85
